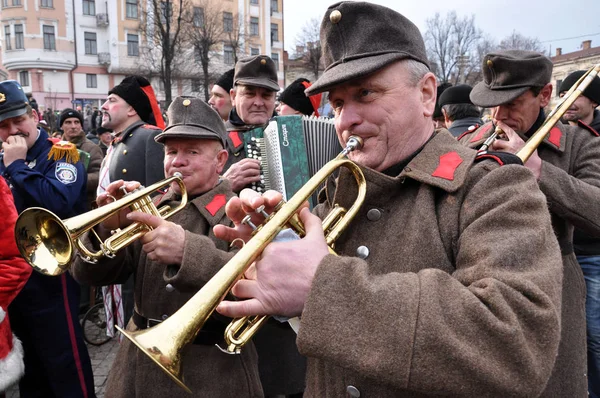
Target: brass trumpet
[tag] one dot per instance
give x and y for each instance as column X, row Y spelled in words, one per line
column 48, row 243
column 163, row 343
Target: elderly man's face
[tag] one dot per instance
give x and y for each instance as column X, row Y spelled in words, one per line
column 388, row 111
column 220, row 101
column 200, row 161
column 582, row 109
column 521, row 113
column 24, row 125
column 254, row 105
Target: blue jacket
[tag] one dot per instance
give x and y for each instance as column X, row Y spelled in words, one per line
column 39, row 182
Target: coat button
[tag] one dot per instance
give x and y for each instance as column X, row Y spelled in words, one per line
column 362, row 252
column 164, row 317
column 125, row 152
column 124, row 171
column 374, row 214
column 407, row 169
column 353, row 391
column 169, row 288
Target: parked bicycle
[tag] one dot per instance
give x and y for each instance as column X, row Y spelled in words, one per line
column 94, row 320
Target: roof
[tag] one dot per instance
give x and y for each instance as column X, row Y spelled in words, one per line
column 586, row 53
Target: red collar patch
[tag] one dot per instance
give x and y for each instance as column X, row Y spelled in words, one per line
column 235, row 138
column 216, row 203
column 482, row 131
column 555, row 136
column 449, row 162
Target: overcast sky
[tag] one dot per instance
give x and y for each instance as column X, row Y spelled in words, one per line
column 555, row 23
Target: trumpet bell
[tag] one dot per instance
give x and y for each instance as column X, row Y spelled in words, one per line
column 43, row 241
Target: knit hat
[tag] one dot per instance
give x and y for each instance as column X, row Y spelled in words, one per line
column 294, row 96
column 508, row 74
column 193, row 118
column 67, row 113
column 360, row 38
column 137, row 92
column 592, row 91
column 225, row 81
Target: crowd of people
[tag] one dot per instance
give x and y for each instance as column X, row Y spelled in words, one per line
column 466, row 272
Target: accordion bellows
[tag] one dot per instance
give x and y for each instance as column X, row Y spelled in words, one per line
column 291, row 149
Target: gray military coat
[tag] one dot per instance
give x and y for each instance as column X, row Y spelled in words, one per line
column 570, row 179
column 207, row 371
column 459, row 294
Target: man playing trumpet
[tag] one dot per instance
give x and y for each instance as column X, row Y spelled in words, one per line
column 449, row 280
column 171, row 262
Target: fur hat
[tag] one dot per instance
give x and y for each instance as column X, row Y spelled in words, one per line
column 225, row 81
column 456, row 95
column 294, row 96
column 137, row 92
column 67, row 113
column 592, row 91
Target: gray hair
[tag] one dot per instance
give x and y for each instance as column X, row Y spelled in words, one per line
column 416, row 70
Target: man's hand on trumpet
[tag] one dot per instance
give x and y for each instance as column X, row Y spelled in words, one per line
column 165, row 242
column 115, row 191
column 512, row 144
column 281, row 278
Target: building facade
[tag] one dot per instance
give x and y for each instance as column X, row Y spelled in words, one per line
column 69, row 53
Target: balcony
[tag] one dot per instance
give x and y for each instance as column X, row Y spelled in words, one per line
column 101, row 19
column 104, row 58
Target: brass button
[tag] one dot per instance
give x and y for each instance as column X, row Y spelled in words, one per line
column 362, row 252
column 489, row 63
column 353, row 391
column 335, row 16
column 186, row 102
column 263, row 61
column 124, row 171
column 169, row 288
column 374, row 214
column 131, row 134
column 124, row 151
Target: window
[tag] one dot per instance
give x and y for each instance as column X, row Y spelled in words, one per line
column 275, row 58
column 253, row 26
column 196, row 85
column 274, row 6
column 228, row 55
column 197, row 54
column 90, row 43
column 133, row 45
column 166, row 11
column 24, row 78
column 91, row 81
column 4, row 3
column 274, row 32
column 47, row 3
column 131, row 9
column 49, row 41
column 7, row 37
column 89, row 7
column 558, row 83
column 16, row 2
column 253, row 1
column 19, row 39
column 254, row 51
column 227, row 22
column 199, row 17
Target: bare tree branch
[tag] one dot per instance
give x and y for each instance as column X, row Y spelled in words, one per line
column 516, row 41
column 308, row 46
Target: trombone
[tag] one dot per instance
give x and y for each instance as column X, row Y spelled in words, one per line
column 553, row 117
column 163, row 343
column 48, row 243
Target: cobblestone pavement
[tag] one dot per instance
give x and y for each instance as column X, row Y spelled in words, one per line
column 102, row 358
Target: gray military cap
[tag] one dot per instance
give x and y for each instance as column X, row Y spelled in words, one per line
column 193, row 118
column 257, row 71
column 359, row 38
column 508, row 74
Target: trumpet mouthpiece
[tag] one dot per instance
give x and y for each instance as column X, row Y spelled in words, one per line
column 354, row 143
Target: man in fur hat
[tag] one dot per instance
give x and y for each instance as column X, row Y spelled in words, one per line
column 132, row 112
column 293, row 101
column 173, row 261
column 584, row 109
column 219, row 95
column 448, row 280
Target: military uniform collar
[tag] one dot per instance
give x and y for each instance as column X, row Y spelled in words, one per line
column 210, row 204
column 38, row 147
column 125, row 133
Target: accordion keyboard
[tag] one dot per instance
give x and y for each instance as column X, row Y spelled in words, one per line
column 255, row 149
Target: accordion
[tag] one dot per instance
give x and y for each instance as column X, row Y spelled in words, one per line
column 291, row 149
